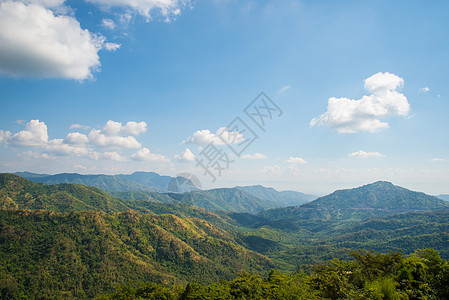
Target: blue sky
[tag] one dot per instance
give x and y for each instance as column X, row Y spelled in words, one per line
column 119, row 86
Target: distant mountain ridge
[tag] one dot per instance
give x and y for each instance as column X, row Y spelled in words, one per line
column 150, row 186
column 278, row 198
column 137, row 181
column 376, row 199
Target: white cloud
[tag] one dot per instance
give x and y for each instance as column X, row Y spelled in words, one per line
column 113, row 156
column 113, row 135
column 79, row 126
column 425, row 89
column 58, row 147
column 113, row 128
column 295, row 160
column 76, row 138
column 44, row 3
column 97, row 138
column 437, row 159
column 284, row 89
column 36, row 42
column 350, row 116
column 186, row 156
column 36, row 155
column 205, row 137
column 254, row 156
column 364, row 154
column 144, row 154
column 108, row 23
column 111, row 46
column 146, row 8
column 35, row 134
column 4, row 136
column 274, row 170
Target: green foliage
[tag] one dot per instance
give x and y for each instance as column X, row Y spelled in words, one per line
column 377, row 199
column 47, row 254
column 369, row 276
column 19, row 193
column 279, row 199
column 225, row 199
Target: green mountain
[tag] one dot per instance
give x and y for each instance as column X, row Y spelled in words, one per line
column 51, row 255
column 279, row 199
column 227, row 199
column 377, row 199
column 138, row 181
column 224, row 199
column 161, row 183
column 19, row 193
column 103, row 182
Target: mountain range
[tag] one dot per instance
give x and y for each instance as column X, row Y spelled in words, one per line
column 137, row 181
column 154, row 187
column 76, row 241
column 377, row 199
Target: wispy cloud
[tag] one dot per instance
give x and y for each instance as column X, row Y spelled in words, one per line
column 425, row 89
column 295, row 160
column 365, row 154
column 254, row 156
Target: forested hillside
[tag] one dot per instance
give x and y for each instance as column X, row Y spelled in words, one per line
column 76, row 241
column 46, row 254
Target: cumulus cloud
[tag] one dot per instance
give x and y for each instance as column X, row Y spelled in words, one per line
column 364, row 154
column 295, row 160
column 76, row 138
column 116, row 135
column 254, row 156
column 35, row 134
column 4, row 136
column 78, row 144
column 58, row 147
column 205, row 137
column 186, row 156
column 113, row 128
column 99, row 139
column 365, row 114
column 113, row 156
column 144, row 154
column 146, row 8
column 36, row 42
